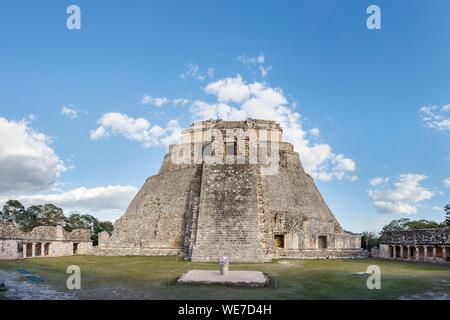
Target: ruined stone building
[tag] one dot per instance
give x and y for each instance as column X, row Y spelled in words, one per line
column 42, row 242
column 431, row 245
column 231, row 188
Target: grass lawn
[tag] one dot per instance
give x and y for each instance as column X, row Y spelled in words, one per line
column 147, row 278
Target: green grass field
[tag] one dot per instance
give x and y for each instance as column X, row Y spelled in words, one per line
column 147, row 278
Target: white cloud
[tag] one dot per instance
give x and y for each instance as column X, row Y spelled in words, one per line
column 70, row 112
column 447, row 182
column 435, row 117
column 100, row 201
column 378, row 181
column 258, row 62
column 157, row 102
column 229, row 90
column 315, row 132
column 446, row 108
column 238, row 100
column 403, row 198
column 193, row 72
column 161, row 101
column 265, row 70
column 181, row 101
column 99, row 133
column 27, row 161
column 136, row 129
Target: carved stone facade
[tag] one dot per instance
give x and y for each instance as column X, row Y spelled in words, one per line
column 250, row 211
column 42, row 242
column 429, row 245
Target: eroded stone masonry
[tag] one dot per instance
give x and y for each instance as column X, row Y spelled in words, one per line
column 42, row 242
column 204, row 209
column 430, row 245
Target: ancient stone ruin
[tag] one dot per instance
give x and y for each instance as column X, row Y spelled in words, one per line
column 235, row 189
column 429, row 245
column 42, row 242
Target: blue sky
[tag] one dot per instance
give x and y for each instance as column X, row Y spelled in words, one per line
column 378, row 97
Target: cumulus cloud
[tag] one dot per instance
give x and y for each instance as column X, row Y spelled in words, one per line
column 238, row 100
column 378, row 181
column 27, row 161
column 436, row 117
column 136, row 129
column 258, row 62
column 447, row 182
column 70, row 112
column 106, row 202
column 157, row 102
column 403, row 197
column 229, row 90
column 193, row 72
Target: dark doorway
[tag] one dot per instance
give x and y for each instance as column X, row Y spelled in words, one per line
column 323, row 242
column 29, row 250
column 279, row 241
column 19, row 247
column 46, row 249
column 231, row 148
column 38, row 250
column 75, row 248
column 412, row 252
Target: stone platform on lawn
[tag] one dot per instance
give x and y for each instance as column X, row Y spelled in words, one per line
column 237, row 278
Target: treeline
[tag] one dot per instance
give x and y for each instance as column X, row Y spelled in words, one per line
column 372, row 239
column 26, row 219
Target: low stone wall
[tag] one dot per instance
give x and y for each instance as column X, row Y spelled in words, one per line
column 133, row 251
column 310, row 254
column 375, row 253
column 8, row 250
column 85, row 248
column 62, row 249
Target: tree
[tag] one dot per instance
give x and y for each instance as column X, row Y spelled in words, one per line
column 42, row 215
column 369, row 240
column 13, row 211
column 106, row 226
column 86, row 221
column 405, row 224
column 446, row 222
column 422, row 224
column 77, row 221
column 29, row 219
column 396, row 225
column 50, row 215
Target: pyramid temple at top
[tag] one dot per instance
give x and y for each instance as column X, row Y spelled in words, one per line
column 231, row 188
